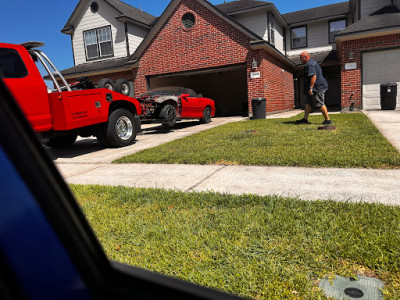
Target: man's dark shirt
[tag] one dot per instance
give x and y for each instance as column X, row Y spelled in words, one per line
column 312, row 68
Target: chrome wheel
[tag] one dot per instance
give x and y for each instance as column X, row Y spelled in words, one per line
column 124, row 128
column 109, row 87
column 125, row 89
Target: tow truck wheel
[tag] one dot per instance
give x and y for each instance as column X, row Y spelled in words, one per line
column 61, row 141
column 168, row 114
column 120, row 130
column 206, row 115
column 106, row 83
column 122, row 86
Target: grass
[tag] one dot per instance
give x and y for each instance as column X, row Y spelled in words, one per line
column 252, row 246
column 279, row 142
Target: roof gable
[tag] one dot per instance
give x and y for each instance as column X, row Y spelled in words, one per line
column 122, row 9
column 170, row 10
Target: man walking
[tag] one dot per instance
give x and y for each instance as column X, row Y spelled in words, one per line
column 315, row 87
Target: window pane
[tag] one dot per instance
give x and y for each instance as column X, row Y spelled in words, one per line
column 92, row 51
column 104, row 34
column 299, row 37
column 90, row 37
column 11, row 64
column 334, row 28
column 106, row 49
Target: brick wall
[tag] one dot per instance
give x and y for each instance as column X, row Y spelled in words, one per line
column 352, row 79
column 276, row 82
column 213, row 42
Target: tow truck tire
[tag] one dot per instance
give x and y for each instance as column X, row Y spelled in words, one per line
column 122, row 86
column 168, row 114
column 62, row 141
column 106, row 83
column 119, row 131
column 206, row 115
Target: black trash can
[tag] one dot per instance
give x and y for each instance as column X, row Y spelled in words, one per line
column 259, row 106
column 388, row 96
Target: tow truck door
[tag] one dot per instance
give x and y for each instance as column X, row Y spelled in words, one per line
column 25, row 83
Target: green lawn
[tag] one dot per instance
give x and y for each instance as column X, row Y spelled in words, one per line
column 258, row 247
column 280, row 142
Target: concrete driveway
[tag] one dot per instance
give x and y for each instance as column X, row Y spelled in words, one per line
column 88, row 150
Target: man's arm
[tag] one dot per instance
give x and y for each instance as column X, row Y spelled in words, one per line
column 312, row 82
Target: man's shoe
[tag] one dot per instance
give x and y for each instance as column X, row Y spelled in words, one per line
column 327, row 122
column 302, row 121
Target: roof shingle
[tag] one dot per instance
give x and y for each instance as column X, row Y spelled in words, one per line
column 240, row 5
column 316, row 13
column 373, row 22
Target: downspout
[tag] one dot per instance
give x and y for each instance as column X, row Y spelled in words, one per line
column 127, row 39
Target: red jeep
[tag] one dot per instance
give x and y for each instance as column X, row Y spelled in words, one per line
column 62, row 114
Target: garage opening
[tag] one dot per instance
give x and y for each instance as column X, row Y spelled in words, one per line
column 226, row 86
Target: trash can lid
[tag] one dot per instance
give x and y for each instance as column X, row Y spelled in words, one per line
column 259, row 99
column 389, row 84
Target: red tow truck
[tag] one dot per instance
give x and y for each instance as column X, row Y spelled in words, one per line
column 60, row 115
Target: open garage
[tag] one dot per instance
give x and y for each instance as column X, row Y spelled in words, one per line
column 226, row 86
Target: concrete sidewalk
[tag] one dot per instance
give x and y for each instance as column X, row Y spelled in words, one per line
column 379, row 186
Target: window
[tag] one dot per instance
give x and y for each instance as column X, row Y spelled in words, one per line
column 94, row 7
column 271, row 29
column 188, row 20
column 98, row 43
column 335, row 27
column 11, row 64
column 298, row 37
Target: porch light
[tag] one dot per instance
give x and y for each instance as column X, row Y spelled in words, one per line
column 254, row 63
column 351, row 54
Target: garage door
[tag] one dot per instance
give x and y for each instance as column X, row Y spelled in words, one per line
column 227, row 87
column 379, row 67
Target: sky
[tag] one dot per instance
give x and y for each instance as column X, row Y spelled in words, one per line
column 25, row 20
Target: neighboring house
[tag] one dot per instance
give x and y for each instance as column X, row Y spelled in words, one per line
column 241, row 49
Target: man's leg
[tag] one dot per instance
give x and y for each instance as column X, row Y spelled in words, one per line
column 324, row 111
column 307, row 111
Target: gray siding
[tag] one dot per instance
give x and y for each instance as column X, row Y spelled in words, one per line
column 279, row 38
column 255, row 21
column 317, row 38
column 136, row 35
column 104, row 17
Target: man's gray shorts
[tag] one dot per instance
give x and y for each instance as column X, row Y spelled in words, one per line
column 317, row 99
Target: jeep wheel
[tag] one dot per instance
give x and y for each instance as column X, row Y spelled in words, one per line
column 62, row 141
column 119, row 131
column 168, row 114
column 122, row 86
column 206, row 115
column 106, row 83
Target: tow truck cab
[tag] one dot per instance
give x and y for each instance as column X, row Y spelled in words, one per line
column 63, row 111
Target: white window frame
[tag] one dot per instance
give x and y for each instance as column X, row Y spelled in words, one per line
column 98, row 43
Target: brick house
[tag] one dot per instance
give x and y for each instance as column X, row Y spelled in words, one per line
column 238, row 50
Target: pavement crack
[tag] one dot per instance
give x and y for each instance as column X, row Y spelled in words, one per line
column 84, row 171
column 204, row 179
